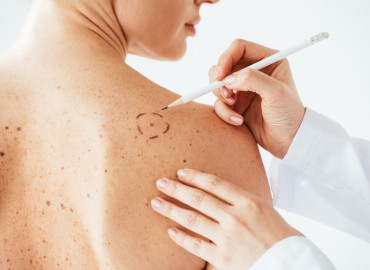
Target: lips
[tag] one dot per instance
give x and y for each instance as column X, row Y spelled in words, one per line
column 190, row 26
column 190, row 29
column 194, row 22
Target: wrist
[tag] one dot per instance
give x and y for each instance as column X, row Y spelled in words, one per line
column 294, row 130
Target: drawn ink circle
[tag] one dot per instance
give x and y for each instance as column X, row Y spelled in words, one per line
column 151, row 125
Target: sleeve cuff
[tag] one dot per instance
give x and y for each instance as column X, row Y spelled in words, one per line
column 313, row 129
column 295, row 252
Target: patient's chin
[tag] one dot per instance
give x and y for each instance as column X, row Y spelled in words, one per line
column 173, row 53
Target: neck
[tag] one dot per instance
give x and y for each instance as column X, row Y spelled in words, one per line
column 88, row 27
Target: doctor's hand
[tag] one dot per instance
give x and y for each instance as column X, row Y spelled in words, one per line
column 266, row 101
column 236, row 226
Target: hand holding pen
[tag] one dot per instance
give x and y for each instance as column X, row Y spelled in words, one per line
column 267, row 101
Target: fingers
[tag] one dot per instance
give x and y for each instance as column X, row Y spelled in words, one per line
column 240, row 54
column 223, row 93
column 203, row 249
column 189, row 219
column 227, row 114
column 255, row 81
column 193, row 197
column 222, row 189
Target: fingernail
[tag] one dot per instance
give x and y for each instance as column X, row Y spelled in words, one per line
column 224, row 91
column 236, row 120
column 181, row 173
column 162, row 183
column 217, row 73
column 156, row 203
column 230, row 101
column 172, row 233
column 230, row 79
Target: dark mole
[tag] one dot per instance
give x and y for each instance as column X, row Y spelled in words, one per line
column 106, row 170
column 2, row 154
column 153, row 137
column 184, row 160
column 48, row 203
column 151, row 124
column 62, row 206
column 139, row 115
column 190, row 144
column 167, row 128
column 19, row 129
column 6, row 127
column 197, row 131
column 157, row 114
column 139, row 129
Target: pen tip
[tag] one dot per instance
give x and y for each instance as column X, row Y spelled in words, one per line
column 165, row 108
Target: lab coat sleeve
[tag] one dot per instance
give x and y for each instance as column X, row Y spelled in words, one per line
column 295, row 252
column 325, row 176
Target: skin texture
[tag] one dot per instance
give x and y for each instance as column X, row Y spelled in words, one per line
column 76, row 174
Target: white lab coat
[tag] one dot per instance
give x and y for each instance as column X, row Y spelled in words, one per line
column 324, row 176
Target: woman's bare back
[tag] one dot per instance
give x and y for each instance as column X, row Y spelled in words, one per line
column 80, row 150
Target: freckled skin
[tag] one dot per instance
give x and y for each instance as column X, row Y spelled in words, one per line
column 88, row 127
column 153, row 130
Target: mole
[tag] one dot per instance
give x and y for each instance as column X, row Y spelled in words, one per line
column 48, row 203
column 6, row 127
column 19, row 129
column 184, row 160
column 2, row 154
column 62, row 206
column 151, row 125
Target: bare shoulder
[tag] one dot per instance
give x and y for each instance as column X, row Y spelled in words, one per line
column 227, row 151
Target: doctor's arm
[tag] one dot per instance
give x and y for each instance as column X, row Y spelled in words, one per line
column 329, row 169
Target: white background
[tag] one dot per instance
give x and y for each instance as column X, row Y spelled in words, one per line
column 332, row 77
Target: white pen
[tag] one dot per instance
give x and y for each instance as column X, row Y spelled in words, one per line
column 257, row 66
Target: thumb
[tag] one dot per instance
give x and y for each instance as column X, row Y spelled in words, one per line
column 254, row 81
